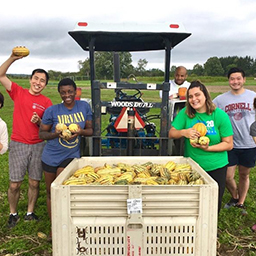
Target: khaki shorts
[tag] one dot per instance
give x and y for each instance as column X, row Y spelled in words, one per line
column 25, row 158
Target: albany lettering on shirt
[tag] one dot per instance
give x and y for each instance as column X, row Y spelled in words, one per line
column 71, row 118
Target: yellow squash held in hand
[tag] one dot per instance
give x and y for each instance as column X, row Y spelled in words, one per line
column 66, row 134
column 20, row 51
column 203, row 140
column 193, row 141
column 61, row 127
column 73, row 128
column 201, row 128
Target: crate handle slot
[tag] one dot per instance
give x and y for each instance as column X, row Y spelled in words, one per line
column 135, row 226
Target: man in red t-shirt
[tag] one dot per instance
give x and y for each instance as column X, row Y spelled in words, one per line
column 25, row 146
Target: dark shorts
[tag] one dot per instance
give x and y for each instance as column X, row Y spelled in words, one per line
column 53, row 169
column 245, row 157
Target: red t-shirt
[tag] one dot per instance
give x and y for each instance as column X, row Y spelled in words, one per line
column 25, row 104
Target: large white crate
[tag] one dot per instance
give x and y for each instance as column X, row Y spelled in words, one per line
column 94, row 220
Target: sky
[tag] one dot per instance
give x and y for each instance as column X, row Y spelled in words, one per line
column 218, row 28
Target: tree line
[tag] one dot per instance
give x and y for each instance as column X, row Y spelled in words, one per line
column 104, row 67
column 214, row 66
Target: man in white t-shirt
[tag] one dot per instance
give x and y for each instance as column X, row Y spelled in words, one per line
column 179, row 80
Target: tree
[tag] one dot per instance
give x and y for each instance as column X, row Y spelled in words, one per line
column 104, row 65
column 154, row 72
column 247, row 64
column 141, row 67
column 126, row 67
column 84, row 67
column 228, row 62
column 213, row 67
column 254, row 69
column 55, row 75
column 198, row 70
column 228, row 67
column 172, row 71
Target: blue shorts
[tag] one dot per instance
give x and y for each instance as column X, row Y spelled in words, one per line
column 53, row 169
column 242, row 156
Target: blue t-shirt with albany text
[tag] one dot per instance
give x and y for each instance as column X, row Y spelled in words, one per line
column 57, row 150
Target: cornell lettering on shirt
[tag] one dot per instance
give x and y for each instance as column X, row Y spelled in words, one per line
column 234, row 106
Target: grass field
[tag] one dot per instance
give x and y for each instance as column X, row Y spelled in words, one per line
column 234, row 234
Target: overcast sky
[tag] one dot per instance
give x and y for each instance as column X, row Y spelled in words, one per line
column 219, row 28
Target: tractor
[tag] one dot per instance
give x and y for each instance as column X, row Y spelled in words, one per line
column 131, row 128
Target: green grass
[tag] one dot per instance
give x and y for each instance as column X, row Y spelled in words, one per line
column 207, row 80
column 234, row 229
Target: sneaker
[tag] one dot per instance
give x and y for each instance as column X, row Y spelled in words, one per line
column 29, row 217
column 13, row 220
column 242, row 207
column 232, row 202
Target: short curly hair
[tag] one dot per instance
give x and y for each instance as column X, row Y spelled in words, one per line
column 66, row 81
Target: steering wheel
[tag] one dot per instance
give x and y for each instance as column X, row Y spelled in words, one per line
column 123, row 96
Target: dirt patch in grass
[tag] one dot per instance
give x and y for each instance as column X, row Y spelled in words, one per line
column 223, row 88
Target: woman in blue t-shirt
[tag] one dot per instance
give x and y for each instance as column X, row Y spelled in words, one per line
column 60, row 150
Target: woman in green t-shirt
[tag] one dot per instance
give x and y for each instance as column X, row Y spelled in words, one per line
column 212, row 156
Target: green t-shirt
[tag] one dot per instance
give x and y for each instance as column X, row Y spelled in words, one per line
column 218, row 126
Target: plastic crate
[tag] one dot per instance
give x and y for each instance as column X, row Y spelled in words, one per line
column 134, row 220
